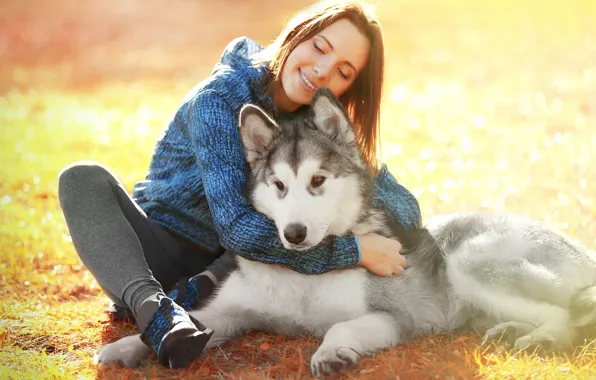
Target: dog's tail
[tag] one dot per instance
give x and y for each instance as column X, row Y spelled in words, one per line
column 583, row 307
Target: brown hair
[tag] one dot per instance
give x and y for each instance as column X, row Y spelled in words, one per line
column 363, row 99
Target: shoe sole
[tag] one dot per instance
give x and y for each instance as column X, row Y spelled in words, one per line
column 188, row 349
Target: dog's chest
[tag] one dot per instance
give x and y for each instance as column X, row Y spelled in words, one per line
column 291, row 303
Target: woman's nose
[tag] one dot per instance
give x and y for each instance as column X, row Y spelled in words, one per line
column 321, row 71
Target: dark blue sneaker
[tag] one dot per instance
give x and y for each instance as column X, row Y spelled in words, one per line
column 192, row 293
column 175, row 336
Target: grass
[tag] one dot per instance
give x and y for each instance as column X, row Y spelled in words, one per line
column 488, row 105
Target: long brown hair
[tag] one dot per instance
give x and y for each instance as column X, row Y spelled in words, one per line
column 363, row 99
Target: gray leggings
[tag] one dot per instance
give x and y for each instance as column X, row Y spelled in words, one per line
column 131, row 256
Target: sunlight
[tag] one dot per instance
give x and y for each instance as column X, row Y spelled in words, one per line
column 488, row 105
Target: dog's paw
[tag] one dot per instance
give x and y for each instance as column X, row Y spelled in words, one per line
column 333, row 360
column 535, row 343
column 129, row 351
column 505, row 334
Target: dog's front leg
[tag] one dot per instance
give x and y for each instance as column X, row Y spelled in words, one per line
column 129, row 351
column 225, row 315
column 228, row 314
column 346, row 342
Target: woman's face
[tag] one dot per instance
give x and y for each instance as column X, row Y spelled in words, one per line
column 331, row 58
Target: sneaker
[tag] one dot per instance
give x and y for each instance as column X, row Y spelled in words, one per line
column 192, row 293
column 176, row 337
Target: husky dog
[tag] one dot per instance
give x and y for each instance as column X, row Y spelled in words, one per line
column 518, row 280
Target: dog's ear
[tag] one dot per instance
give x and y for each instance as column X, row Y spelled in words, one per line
column 330, row 116
column 257, row 130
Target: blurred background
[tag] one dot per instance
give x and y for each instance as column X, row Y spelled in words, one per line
column 465, row 80
column 488, row 104
column 67, row 42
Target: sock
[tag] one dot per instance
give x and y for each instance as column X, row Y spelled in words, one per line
column 147, row 309
column 221, row 267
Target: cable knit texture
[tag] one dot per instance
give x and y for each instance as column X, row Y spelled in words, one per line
column 196, row 182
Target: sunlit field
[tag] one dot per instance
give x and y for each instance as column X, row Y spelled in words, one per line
column 488, row 105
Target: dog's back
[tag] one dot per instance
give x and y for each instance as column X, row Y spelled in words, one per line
column 462, row 267
column 528, row 284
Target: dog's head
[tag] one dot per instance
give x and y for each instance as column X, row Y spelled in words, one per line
column 307, row 175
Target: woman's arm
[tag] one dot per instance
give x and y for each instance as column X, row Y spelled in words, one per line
column 397, row 201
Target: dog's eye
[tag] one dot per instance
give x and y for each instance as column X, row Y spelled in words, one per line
column 280, row 186
column 317, row 180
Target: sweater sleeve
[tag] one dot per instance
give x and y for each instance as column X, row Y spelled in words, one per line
column 213, row 128
column 397, row 201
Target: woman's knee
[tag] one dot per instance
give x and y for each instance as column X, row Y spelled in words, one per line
column 79, row 177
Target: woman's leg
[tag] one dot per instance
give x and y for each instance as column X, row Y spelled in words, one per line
column 117, row 244
column 111, row 234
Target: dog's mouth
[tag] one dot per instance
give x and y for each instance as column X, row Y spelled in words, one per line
column 298, row 247
column 311, row 240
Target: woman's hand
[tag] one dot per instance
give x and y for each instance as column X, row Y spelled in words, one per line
column 380, row 255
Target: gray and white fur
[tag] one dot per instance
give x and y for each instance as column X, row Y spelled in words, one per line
column 515, row 278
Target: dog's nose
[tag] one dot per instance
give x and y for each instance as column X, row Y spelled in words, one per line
column 295, row 233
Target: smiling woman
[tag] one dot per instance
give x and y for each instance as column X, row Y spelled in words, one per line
column 332, row 58
column 190, row 216
column 483, row 107
column 340, row 47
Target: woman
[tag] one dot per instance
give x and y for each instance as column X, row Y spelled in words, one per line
column 191, row 208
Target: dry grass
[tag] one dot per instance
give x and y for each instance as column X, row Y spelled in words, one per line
column 489, row 105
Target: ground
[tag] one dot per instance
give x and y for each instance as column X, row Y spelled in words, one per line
column 488, row 105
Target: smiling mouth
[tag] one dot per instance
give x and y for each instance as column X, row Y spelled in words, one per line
column 305, row 79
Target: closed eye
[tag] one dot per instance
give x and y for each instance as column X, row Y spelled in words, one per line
column 343, row 75
column 317, row 48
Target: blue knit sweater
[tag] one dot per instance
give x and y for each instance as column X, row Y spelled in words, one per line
column 196, row 181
